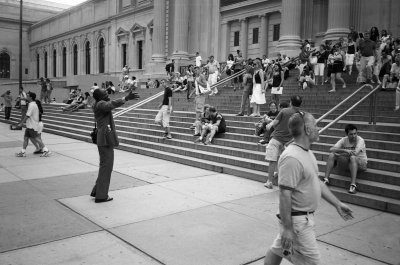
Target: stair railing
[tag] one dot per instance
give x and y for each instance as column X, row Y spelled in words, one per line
column 344, row 101
column 139, row 104
column 372, row 108
column 153, row 97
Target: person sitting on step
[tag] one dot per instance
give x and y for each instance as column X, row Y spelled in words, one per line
column 348, row 152
column 204, row 119
column 307, row 78
column 217, row 125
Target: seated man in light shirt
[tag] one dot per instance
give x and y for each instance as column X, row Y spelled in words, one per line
column 349, row 152
column 213, row 71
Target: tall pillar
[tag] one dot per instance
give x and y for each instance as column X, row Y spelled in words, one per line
column 159, row 28
column 290, row 41
column 225, row 40
column 308, row 10
column 181, row 30
column 263, row 35
column 156, row 67
column 338, row 19
column 244, row 36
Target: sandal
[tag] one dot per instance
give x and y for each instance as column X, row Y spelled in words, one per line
column 353, row 189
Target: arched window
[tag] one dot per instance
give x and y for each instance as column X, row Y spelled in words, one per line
column 4, row 65
column 54, row 63
column 87, row 57
column 75, row 59
column 45, row 64
column 64, row 61
column 37, row 66
column 101, row 56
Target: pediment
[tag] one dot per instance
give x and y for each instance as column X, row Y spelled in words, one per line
column 138, row 28
column 121, row 32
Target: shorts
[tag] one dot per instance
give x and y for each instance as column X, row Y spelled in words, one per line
column 40, row 127
column 305, row 246
column 31, row 133
column 319, row 69
column 337, row 67
column 349, row 59
column 163, row 116
column 274, row 150
column 343, row 163
column 200, row 100
column 213, row 78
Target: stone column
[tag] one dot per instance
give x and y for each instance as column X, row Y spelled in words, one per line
column 180, row 32
column 156, row 67
column 159, row 28
column 244, row 36
column 225, row 40
column 263, row 35
column 338, row 19
column 93, row 53
column 290, row 41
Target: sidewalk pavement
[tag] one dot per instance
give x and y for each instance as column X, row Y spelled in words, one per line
column 162, row 213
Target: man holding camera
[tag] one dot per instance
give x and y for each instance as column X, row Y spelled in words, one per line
column 106, row 140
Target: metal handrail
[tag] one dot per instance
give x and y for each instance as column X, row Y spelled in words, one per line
column 139, row 104
column 372, row 112
column 343, row 101
column 220, row 82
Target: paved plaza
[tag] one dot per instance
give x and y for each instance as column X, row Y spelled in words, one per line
column 162, row 213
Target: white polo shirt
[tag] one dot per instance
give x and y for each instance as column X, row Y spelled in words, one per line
column 33, row 116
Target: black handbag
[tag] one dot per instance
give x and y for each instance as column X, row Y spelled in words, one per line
column 93, row 134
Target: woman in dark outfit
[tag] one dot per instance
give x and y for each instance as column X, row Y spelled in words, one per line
column 106, row 140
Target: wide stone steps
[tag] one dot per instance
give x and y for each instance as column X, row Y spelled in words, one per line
column 183, row 139
column 182, row 125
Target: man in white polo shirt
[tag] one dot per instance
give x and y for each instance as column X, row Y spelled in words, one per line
column 213, row 71
column 32, row 127
column 300, row 191
column 198, row 59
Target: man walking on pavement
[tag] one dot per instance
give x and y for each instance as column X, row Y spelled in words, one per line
column 300, row 191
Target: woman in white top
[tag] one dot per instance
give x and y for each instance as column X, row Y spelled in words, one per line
column 258, row 97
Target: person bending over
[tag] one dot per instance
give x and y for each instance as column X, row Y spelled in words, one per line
column 217, row 125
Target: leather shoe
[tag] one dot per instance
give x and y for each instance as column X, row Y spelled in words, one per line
column 103, row 200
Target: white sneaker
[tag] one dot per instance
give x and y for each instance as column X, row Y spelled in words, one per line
column 397, row 108
column 268, row 185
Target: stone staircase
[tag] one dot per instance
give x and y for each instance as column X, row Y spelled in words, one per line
column 237, row 152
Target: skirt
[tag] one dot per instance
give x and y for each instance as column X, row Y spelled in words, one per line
column 258, row 96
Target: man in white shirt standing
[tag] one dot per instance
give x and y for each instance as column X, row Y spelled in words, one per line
column 213, row 71
column 32, row 127
column 198, row 59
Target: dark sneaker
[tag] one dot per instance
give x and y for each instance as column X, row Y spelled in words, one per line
column 262, row 142
column 36, row 152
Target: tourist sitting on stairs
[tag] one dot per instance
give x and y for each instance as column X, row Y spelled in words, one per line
column 349, row 152
column 217, row 125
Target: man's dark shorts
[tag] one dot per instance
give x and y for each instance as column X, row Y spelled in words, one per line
column 31, row 133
